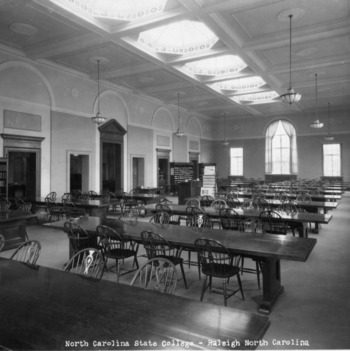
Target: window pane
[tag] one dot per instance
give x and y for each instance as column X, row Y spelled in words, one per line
column 331, row 160
column 236, row 161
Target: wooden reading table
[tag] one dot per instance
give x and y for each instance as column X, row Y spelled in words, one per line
column 270, row 248
column 46, row 309
column 290, row 218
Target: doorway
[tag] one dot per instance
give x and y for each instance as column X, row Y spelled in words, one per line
column 138, row 172
column 111, row 166
column 163, row 163
column 194, row 159
column 79, row 173
column 22, row 168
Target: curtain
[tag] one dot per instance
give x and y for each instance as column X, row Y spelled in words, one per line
column 270, row 132
column 290, row 130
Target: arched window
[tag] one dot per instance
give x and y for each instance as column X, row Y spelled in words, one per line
column 281, row 148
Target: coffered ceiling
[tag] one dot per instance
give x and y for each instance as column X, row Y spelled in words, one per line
column 258, row 31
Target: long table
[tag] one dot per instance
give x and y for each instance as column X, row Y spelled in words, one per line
column 46, row 309
column 13, row 227
column 270, row 248
column 290, row 218
column 95, row 207
column 307, row 205
column 321, row 197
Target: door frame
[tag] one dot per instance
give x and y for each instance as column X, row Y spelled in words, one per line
column 27, row 144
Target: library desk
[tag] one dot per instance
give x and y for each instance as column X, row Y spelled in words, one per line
column 13, row 227
column 145, row 198
column 270, row 248
column 46, row 309
column 290, row 218
column 96, row 207
column 307, row 205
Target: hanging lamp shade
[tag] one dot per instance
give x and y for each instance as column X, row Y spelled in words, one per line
column 290, row 96
column 329, row 136
column 98, row 119
column 316, row 123
column 179, row 132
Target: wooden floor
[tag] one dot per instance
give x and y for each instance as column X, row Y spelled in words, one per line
column 312, row 313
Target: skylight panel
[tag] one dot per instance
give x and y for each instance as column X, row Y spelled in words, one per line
column 257, row 98
column 179, row 38
column 219, row 66
column 241, row 85
column 122, row 10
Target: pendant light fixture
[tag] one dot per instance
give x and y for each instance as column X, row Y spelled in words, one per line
column 225, row 142
column 290, row 96
column 316, row 123
column 179, row 133
column 329, row 137
column 98, row 119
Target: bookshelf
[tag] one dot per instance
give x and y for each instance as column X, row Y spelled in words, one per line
column 3, row 177
column 180, row 172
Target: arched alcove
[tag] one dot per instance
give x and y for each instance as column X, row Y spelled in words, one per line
column 162, row 119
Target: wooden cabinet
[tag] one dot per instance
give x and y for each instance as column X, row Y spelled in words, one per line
column 3, row 177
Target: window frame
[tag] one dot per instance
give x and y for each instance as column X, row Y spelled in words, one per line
column 290, row 130
column 242, row 164
column 340, row 160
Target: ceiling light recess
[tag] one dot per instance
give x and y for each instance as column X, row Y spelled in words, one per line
column 257, row 98
column 179, row 38
column 119, row 10
column 290, row 96
column 218, row 66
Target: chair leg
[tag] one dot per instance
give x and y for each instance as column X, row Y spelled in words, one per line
column 224, row 283
column 199, row 266
column 204, row 286
column 240, row 285
column 258, row 273
column 183, row 274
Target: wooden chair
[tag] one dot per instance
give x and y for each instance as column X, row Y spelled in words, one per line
column 117, row 248
column 54, row 210
column 218, row 204
column 5, row 205
column 207, row 200
column 233, row 201
column 28, row 252
column 157, row 274
column 92, row 194
column 87, row 263
column 72, row 211
column 2, row 242
column 160, row 217
column 194, row 202
column 217, row 262
column 273, row 223
column 229, row 219
column 130, row 215
column 173, row 218
column 199, row 220
column 78, row 237
column 156, row 246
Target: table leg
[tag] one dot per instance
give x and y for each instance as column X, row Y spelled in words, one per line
column 272, row 287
